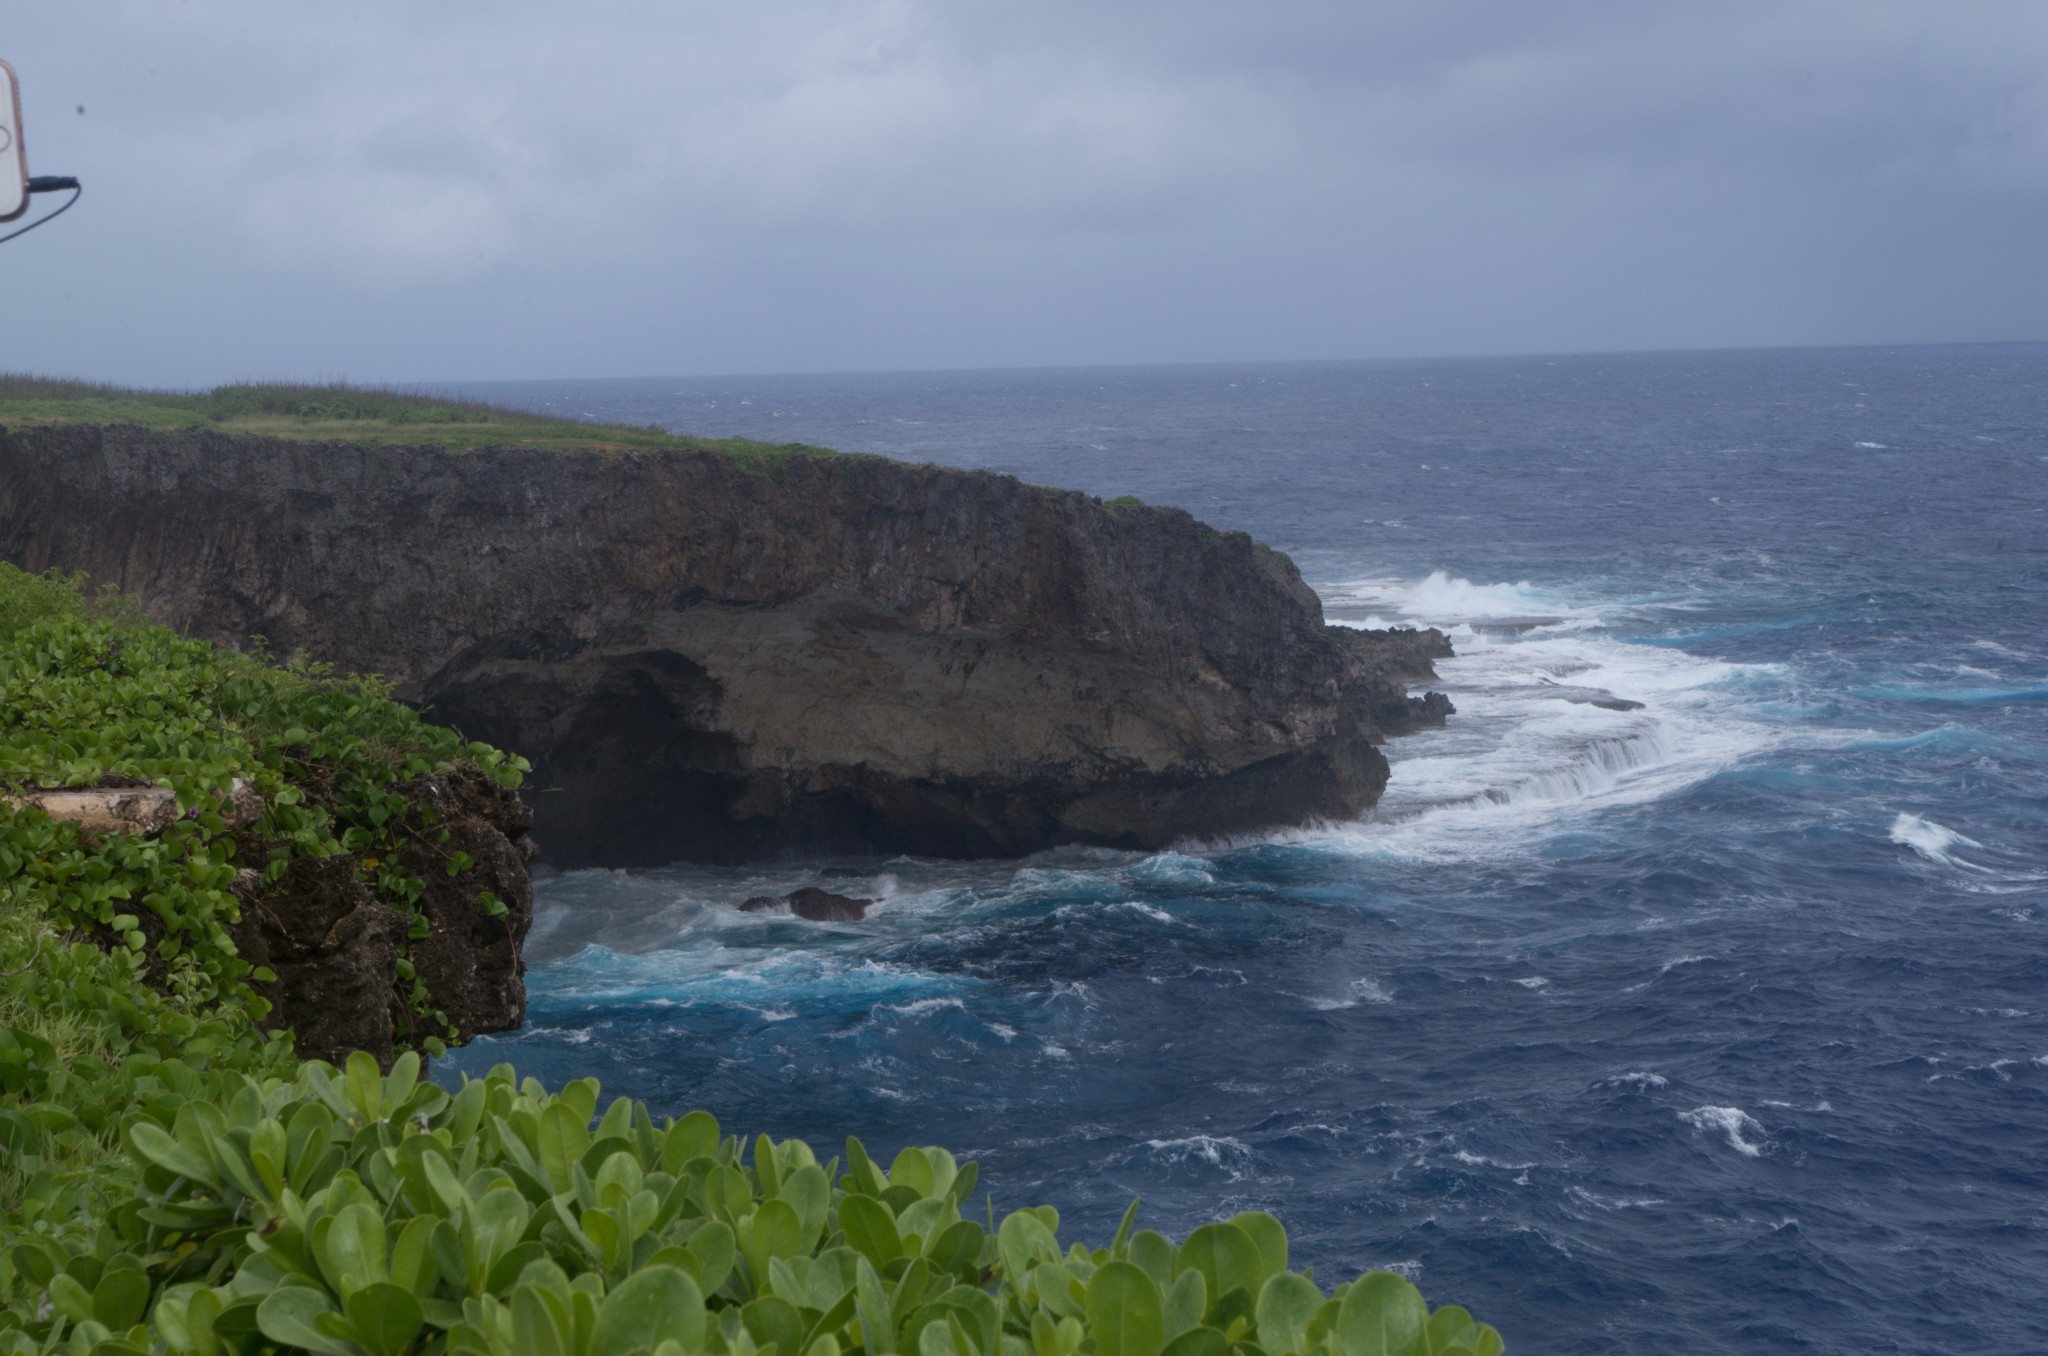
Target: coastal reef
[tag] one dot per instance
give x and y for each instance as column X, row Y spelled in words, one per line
column 722, row 655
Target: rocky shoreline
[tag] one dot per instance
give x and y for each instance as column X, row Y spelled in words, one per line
column 712, row 659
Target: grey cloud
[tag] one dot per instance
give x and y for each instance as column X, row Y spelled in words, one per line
column 397, row 191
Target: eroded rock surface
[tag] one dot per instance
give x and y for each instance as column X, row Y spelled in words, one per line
column 717, row 661
column 813, row 904
column 334, row 946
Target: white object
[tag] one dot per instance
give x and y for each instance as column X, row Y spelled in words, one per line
column 13, row 159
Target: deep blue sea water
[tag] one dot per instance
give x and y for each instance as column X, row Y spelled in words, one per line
column 1719, row 1025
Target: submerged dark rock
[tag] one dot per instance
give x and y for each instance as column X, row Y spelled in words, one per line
column 818, row 906
column 713, row 659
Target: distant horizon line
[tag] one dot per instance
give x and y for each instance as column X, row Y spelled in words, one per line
column 1184, row 364
column 1418, row 360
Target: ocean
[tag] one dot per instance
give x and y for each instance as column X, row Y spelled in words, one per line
column 1714, row 1024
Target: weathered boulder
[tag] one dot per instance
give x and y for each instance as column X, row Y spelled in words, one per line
column 813, row 904
column 717, row 659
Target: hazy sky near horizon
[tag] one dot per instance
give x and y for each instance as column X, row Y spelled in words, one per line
column 468, row 190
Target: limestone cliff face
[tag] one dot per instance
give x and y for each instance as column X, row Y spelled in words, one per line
column 717, row 661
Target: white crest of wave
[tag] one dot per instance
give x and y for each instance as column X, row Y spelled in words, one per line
column 1733, row 1122
column 1932, row 841
column 1533, row 744
column 1639, row 1079
column 1364, row 990
column 1233, row 1156
column 924, row 1007
column 1144, row 910
column 1441, row 595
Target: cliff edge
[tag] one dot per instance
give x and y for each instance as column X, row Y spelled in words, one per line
column 719, row 658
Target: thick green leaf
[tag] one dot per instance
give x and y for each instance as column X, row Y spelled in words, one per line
column 1270, row 1237
column 730, row 1194
column 767, row 1170
column 1445, row 1327
column 808, row 1192
column 385, row 1317
column 1382, row 1315
column 153, row 1144
column 1200, row 1341
column 564, row 1138
column 694, row 1136
column 772, row 1231
column 1023, row 1241
column 1186, row 1300
column 1226, row 1257
column 1151, row 1251
column 714, row 1247
column 1125, row 1310
column 866, row 1179
column 1286, row 1305
column 350, row 1249
column 540, row 1328
column 70, row 1297
column 287, row 1317
column 656, row 1305
column 870, row 1229
column 912, row 1169
column 365, row 1087
column 957, row 1250
column 120, row 1297
column 877, row 1319
column 774, row 1324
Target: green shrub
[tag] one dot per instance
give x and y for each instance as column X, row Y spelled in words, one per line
column 353, row 1214
column 115, row 954
column 91, row 695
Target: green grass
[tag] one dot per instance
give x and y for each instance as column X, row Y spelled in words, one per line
column 339, row 412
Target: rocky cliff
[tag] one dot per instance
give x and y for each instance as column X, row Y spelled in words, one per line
column 719, row 658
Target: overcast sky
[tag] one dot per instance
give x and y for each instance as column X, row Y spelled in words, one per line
column 470, row 189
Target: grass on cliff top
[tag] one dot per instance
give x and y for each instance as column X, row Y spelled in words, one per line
column 339, row 412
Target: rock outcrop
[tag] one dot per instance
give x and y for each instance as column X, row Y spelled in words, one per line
column 811, row 904
column 334, row 946
column 721, row 659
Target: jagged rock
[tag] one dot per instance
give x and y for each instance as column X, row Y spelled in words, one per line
column 333, row 946
column 818, row 906
column 470, row 960
column 718, row 660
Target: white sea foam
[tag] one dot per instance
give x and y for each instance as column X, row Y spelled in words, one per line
column 924, row 1007
column 1532, row 746
column 1932, row 841
column 1615, row 1202
column 1157, row 915
column 1365, row 990
column 1174, row 868
column 1734, row 1123
column 1875, row 447
column 1234, row 1156
column 1640, row 1080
